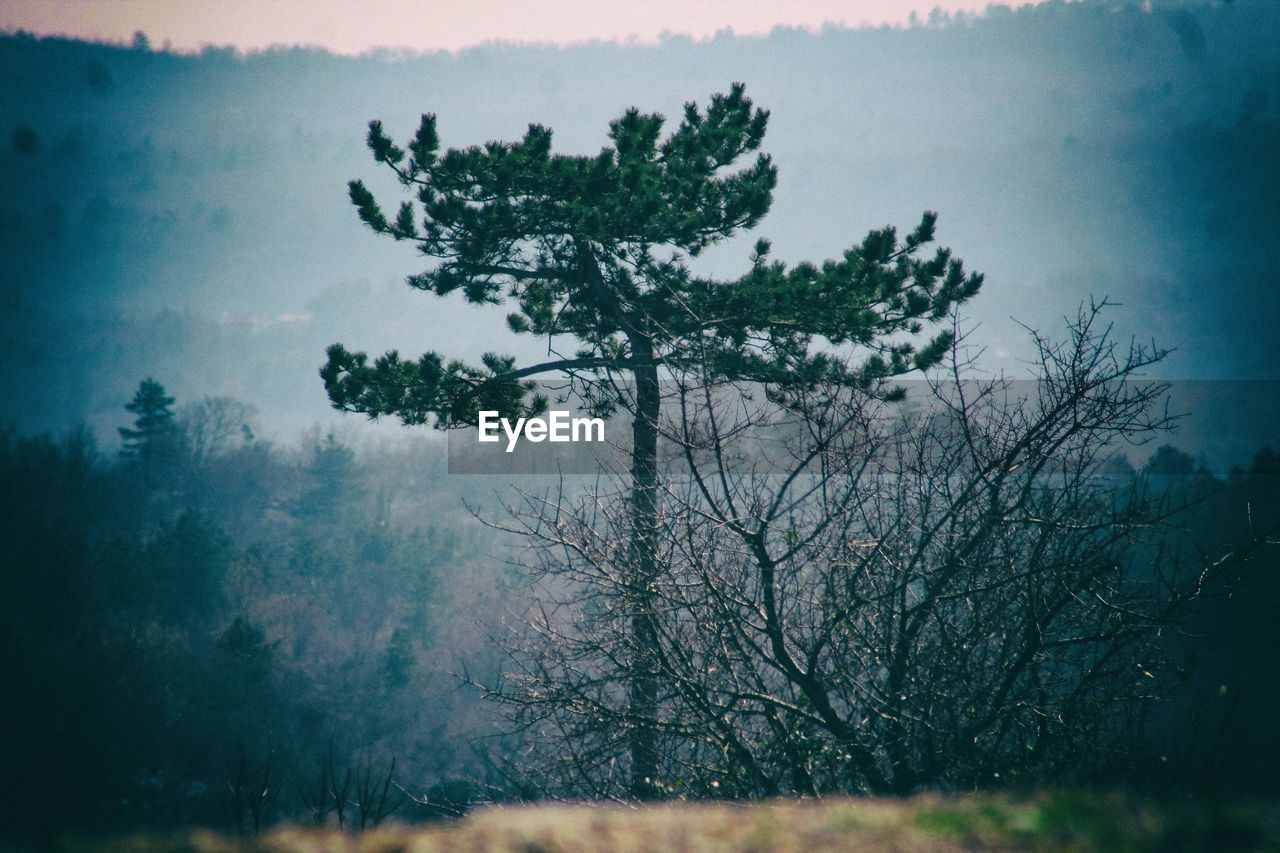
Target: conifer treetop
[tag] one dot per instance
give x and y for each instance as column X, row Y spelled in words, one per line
column 596, row 248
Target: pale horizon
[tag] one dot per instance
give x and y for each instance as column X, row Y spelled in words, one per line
column 351, row 28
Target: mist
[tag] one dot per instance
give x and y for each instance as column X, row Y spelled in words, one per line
column 186, row 215
column 265, row 588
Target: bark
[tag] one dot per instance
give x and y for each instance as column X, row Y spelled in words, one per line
column 643, row 697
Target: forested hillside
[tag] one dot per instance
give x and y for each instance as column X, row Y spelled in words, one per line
column 187, row 216
column 847, row 554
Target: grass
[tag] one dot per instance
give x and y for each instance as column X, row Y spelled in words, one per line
column 1049, row 821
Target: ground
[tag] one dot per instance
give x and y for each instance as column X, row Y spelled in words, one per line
column 1050, row 821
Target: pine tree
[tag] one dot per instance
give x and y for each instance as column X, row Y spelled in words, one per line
column 153, row 427
column 398, row 660
column 244, row 649
column 596, row 249
column 333, row 481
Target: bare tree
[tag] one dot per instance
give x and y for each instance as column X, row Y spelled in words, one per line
column 857, row 595
column 373, row 800
column 251, row 789
column 326, row 796
column 215, row 425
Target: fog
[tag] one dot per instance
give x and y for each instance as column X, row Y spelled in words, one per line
column 263, row 585
column 186, row 216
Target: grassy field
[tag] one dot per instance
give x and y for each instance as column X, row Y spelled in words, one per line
column 1048, row 821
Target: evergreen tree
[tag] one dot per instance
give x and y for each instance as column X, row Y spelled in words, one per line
column 244, row 648
column 398, row 660
column 153, row 427
column 333, row 485
column 1169, row 461
column 596, row 249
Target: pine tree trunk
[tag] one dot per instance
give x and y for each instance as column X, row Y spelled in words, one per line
column 644, row 519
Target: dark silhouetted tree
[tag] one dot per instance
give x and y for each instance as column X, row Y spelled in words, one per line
column 244, row 647
column 153, row 430
column 595, row 249
column 398, row 662
column 1169, row 461
column 881, row 599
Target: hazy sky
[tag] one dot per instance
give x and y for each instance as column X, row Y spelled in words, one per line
column 349, row 26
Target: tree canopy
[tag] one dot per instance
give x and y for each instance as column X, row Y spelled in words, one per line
column 596, row 248
column 154, row 418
